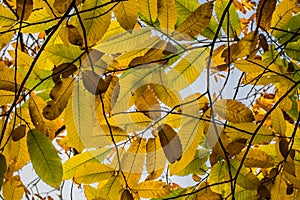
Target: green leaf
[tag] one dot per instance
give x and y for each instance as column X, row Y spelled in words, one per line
column 3, row 167
column 44, row 158
column 292, row 50
column 235, row 27
column 245, row 179
column 185, row 8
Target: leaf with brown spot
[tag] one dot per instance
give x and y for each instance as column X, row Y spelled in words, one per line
column 170, row 142
column 61, row 6
column 19, row 132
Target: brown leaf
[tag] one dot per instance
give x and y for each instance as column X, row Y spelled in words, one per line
column 93, row 82
column 65, row 69
column 26, row 9
column 74, row 36
column 170, row 143
column 264, row 13
column 61, row 6
column 126, row 195
column 263, row 42
column 19, row 132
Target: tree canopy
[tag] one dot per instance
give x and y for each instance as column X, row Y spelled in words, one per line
column 155, row 99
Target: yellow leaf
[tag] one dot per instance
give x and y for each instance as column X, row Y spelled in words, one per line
column 264, row 13
column 130, row 122
column 126, row 13
column 152, row 189
column 6, row 97
column 167, row 15
column 132, row 162
column 242, row 48
column 170, row 142
column 112, row 189
column 39, row 20
column 127, row 57
column 36, row 105
column 92, row 172
column 166, row 95
column 278, row 122
column 7, row 18
column 131, row 87
column 148, row 8
column 155, row 158
column 188, row 69
column 60, row 94
column 282, row 14
column 8, row 79
column 193, row 103
column 60, row 53
column 24, row 9
column 13, row 189
column 148, row 103
column 233, row 111
column 125, row 42
column 190, row 135
column 92, row 193
column 95, row 21
column 246, row 130
column 72, row 164
column 197, row 21
column 256, row 158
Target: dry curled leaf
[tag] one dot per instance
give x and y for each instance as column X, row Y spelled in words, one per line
column 74, row 36
column 18, row 133
column 65, row 70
